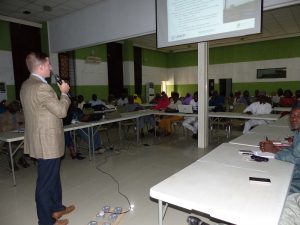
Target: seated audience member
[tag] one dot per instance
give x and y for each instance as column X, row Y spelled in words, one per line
column 245, row 98
column 163, row 102
column 237, row 97
column 13, row 119
column 187, row 99
column 191, row 122
column 80, row 101
column 289, row 154
column 137, row 99
column 70, row 145
column 257, row 108
column 216, row 99
column 156, row 99
column 276, row 98
column 123, row 100
column 291, row 210
column 148, row 120
column 165, row 123
column 287, row 100
column 68, row 137
column 254, row 97
column 95, row 101
column 112, row 100
column 3, row 106
column 76, row 114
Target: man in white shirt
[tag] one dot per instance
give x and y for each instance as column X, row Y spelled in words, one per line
column 191, row 122
column 96, row 101
column 257, row 108
column 123, row 100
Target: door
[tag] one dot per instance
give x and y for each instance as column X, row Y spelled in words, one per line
column 138, row 71
column 24, row 39
column 115, row 69
column 225, row 87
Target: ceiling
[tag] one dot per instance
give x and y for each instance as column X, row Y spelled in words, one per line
column 278, row 23
column 42, row 10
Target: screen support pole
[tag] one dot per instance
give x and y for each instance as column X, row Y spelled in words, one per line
column 202, row 95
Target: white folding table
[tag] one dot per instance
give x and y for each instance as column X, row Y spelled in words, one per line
column 219, row 185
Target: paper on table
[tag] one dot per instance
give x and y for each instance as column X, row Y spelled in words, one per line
column 264, row 154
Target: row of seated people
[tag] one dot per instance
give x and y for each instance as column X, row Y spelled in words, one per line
column 281, row 99
column 162, row 102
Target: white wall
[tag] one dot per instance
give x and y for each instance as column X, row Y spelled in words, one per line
column 91, row 74
column 242, row 72
column 128, row 73
column 246, row 71
column 104, row 22
column 154, row 74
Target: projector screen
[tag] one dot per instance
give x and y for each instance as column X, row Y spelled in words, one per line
column 189, row 21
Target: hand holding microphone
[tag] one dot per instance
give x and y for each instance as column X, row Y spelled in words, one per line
column 63, row 86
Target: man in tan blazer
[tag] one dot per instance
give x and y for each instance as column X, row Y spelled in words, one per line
column 44, row 137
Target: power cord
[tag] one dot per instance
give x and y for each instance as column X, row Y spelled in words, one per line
column 130, row 208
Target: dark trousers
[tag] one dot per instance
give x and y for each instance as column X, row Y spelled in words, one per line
column 48, row 193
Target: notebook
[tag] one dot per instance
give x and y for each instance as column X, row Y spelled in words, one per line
column 185, row 108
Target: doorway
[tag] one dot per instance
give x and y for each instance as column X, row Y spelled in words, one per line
column 115, row 69
column 24, row 39
column 225, row 87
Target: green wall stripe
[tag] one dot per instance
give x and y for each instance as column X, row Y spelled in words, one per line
column 263, row 50
column 5, row 42
column 182, row 89
column 11, row 92
column 127, row 48
column 182, row 59
column 154, row 58
column 98, row 51
column 44, row 38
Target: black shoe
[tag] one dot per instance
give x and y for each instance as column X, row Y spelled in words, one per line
column 22, row 162
column 151, row 131
column 195, row 136
column 78, row 156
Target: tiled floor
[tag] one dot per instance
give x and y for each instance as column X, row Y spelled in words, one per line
column 136, row 167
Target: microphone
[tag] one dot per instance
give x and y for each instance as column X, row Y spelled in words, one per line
column 58, row 80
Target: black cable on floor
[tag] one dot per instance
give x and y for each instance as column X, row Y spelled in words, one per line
column 116, row 181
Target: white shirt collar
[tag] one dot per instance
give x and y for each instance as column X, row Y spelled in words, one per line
column 40, row 77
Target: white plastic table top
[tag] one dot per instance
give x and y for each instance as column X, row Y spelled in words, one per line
column 253, row 139
column 267, row 129
column 223, row 190
column 282, row 109
column 281, row 122
column 232, row 115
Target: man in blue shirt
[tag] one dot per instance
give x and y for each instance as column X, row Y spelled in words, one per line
column 292, row 153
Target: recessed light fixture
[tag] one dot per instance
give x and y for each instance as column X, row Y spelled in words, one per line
column 26, row 12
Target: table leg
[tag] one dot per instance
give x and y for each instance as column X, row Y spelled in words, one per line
column 161, row 211
column 120, row 134
column 12, row 164
column 89, row 140
column 137, row 131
